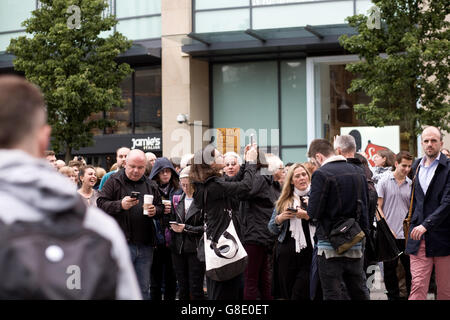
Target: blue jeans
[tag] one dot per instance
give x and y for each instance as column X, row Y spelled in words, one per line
column 142, row 258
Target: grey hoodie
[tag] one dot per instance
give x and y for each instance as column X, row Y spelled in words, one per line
column 30, row 188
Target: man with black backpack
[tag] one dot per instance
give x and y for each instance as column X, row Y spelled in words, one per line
column 338, row 207
column 51, row 245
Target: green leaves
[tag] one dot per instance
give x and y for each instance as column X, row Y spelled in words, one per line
column 405, row 63
column 74, row 67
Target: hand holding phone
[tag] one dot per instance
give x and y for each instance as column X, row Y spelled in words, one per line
column 135, row 194
column 294, row 210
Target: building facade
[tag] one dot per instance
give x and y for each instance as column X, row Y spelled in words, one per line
column 273, row 68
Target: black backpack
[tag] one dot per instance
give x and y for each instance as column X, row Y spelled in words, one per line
column 56, row 258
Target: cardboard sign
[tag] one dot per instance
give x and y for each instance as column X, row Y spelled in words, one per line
column 228, row 139
column 372, row 139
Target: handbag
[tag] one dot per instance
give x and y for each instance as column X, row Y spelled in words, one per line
column 226, row 258
column 385, row 243
column 407, row 221
column 346, row 232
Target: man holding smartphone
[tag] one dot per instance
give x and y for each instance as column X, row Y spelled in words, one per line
column 122, row 197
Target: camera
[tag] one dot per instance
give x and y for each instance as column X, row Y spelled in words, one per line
column 181, row 118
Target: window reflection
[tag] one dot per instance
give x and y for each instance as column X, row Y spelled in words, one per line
column 148, row 100
column 122, row 116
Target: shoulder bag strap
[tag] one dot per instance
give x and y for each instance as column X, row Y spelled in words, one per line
column 412, row 192
column 358, row 197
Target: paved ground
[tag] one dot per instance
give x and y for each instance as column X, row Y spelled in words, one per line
column 378, row 290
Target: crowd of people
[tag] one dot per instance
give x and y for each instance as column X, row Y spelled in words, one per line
column 283, row 213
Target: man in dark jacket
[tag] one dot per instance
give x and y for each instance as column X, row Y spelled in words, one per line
column 429, row 238
column 336, row 189
column 138, row 226
column 163, row 276
column 345, row 145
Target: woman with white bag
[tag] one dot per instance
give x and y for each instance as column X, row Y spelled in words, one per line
column 225, row 257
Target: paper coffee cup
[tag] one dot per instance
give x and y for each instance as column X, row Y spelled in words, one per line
column 148, row 199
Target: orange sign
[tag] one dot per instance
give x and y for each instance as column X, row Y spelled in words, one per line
column 371, row 150
column 228, row 139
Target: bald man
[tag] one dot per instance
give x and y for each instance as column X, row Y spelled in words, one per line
column 116, row 199
column 121, row 155
column 429, row 236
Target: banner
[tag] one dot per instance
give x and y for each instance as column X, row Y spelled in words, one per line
column 372, row 139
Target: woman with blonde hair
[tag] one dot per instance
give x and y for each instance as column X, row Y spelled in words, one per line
column 293, row 252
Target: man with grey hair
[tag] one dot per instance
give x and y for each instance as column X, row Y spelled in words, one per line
column 232, row 162
column 43, row 194
column 345, row 145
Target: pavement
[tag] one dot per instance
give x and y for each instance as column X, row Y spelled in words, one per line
column 377, row 288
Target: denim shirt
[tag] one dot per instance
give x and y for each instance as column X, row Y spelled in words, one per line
column 276, row 229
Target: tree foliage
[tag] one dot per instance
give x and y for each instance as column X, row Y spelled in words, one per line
column 404, row 66
column 74, row 67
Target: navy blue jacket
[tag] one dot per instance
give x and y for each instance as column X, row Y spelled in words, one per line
column 334, row 196
column 432, row 210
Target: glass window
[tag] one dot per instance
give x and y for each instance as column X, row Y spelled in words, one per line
column 96, row 116
column 334, row 107
column 132, row 8
column 142, row 28
column 13, row 13
column 6, row 38
column 294, row 155
column 214, row 4
column 274, row 2
column 293, row 103
column 246, row 97
column 123, row 116
column 148, row 100
column 302, row 14
column 222, row 20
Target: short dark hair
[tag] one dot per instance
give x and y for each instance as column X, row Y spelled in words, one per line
column 403, row 155
column 20, row 102
column 320, row 146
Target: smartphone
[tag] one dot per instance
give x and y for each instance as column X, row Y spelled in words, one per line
column 173, row 222
column 135, row 194
column 292, row 209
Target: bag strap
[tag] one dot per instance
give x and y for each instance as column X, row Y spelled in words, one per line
column 412, row 192
column 358, row 197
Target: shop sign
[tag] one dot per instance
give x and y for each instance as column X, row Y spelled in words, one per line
column 146, row 144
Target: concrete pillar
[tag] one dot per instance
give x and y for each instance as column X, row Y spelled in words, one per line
column 185, row 81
